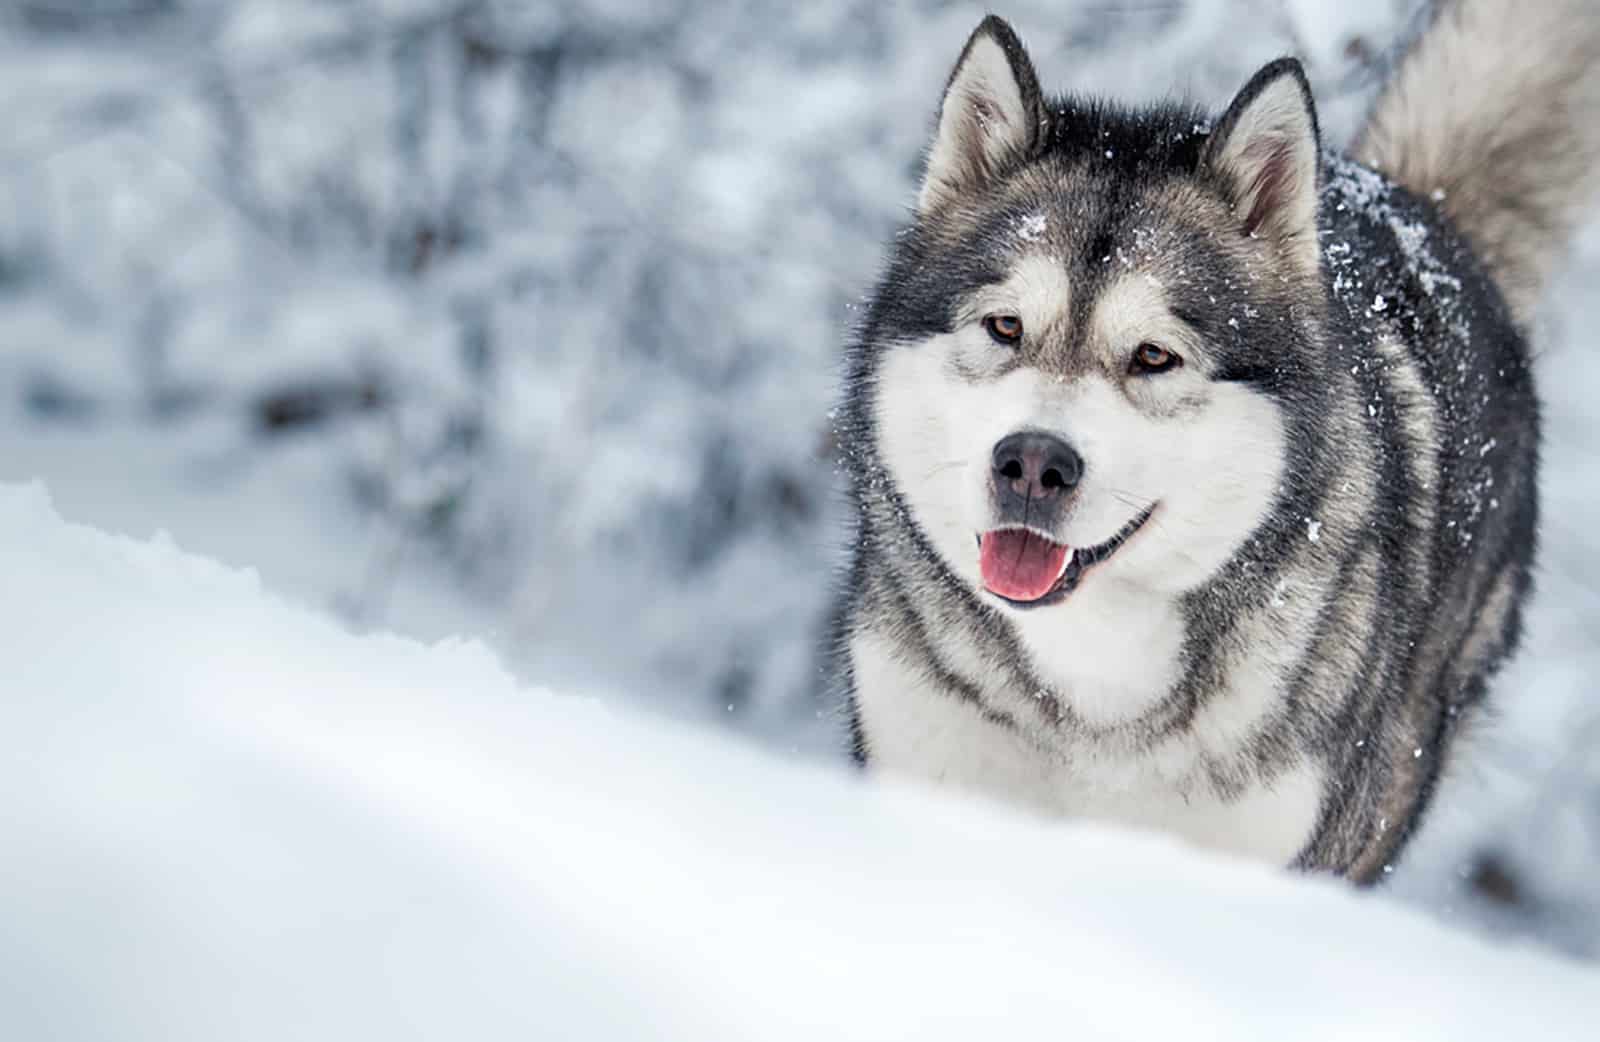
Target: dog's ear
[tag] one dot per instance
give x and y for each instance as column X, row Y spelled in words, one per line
column 1265, row 149
column 992, row 112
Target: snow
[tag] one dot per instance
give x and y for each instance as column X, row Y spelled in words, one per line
column 572, row 281
column 228, row 817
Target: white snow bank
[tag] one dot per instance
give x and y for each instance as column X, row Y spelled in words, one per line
column 225, row 818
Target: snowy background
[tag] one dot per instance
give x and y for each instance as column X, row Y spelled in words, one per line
column 520, row 321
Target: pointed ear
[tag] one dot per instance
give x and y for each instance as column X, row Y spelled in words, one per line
column 1266, row 152
column 992, row 111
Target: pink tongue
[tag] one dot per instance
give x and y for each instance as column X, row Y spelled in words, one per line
column 1020, row 564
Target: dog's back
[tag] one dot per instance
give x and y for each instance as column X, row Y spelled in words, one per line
column 1495, row 114
column 1491, row 119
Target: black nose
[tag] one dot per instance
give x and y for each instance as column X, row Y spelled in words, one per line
column 1034, row 471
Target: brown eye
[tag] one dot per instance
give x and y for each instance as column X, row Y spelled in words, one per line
column 1153, row 358
column 1005, row 329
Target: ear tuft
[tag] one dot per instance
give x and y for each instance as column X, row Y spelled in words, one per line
column 992, row 112
column 1266, row 151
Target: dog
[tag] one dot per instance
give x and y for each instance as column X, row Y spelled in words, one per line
column 1194, row 467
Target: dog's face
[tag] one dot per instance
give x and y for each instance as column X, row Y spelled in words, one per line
column 1081, row 373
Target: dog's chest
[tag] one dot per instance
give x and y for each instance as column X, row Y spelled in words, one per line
column 913, row 724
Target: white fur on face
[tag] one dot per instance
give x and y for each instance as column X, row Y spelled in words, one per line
column 1209, row 453
column 942, row 404
column 1211, row 466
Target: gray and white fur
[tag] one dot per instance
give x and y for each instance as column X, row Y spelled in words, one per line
column 1264, row 415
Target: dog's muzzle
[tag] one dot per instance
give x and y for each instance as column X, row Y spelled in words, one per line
column 1032, row 477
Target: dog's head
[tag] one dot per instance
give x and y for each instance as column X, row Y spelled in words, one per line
column 1081, row 355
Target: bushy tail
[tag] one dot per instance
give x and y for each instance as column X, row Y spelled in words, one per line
column 1496, row 112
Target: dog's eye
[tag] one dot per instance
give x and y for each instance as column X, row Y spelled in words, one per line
column 1005, row 329
column 1153, row 358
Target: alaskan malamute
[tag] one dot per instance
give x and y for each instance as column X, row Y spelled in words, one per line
column 1195, row 467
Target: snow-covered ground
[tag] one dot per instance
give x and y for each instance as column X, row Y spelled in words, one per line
column 228, row 818
column 519, row 321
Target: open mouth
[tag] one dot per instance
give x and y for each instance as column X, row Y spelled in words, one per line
column 1029, row 570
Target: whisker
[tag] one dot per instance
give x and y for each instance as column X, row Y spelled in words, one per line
column 940, row 468
column 1130, row 499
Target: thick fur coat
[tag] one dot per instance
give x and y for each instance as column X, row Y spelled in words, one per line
column 1195, row 466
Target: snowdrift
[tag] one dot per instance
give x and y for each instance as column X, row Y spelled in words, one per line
column 227, row 818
